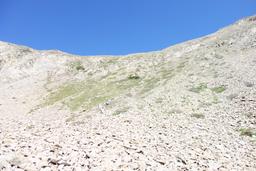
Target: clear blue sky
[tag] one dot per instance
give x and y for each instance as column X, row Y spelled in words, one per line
column 94, row 27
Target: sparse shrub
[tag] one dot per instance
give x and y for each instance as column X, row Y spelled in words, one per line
column 218, row 89
column 198, row 115
column 77, row 66
column 247, row 132
column 80, row 68
column 133, row 77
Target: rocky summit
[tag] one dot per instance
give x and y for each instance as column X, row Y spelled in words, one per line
column 191, row 106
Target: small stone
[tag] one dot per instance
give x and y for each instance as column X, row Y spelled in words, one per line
column 53, row 161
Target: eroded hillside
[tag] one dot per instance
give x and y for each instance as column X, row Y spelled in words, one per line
column 191, row 106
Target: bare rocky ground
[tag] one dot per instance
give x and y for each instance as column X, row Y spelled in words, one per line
column 188, row 107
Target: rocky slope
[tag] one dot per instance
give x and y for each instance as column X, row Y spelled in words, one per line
column 188, row 107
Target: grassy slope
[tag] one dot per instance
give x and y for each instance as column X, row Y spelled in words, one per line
column 92, row 91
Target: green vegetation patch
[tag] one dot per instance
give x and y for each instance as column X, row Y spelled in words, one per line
column 247, row 132
column 149, row 84
column 197, row 89
column 120, row 111
column 218, row 89
column 181, row 66
column 198, row 115
column 215, row 99
column 87, row 94
column 77, row 65
column 166, row 73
